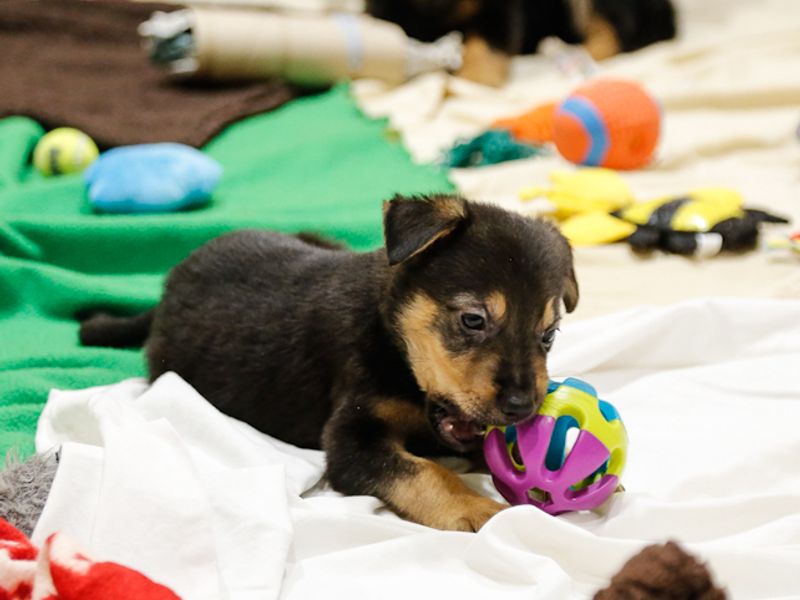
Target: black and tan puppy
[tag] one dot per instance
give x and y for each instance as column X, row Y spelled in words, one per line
column 382, row 359
column 495, row 30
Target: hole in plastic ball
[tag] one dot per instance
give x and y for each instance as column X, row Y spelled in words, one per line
column 565, row 433
column 516, row 457
column 538, row 495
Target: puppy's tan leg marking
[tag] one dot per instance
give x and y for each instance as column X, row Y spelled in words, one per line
column 483, row 64
column 403, row 417
column 602, row 40
column 435, row 496
column 427, row 492
column 465, row 10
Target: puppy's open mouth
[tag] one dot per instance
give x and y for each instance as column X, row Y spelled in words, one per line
column 455, row 428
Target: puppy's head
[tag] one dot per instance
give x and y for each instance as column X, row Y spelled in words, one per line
column 475, row 299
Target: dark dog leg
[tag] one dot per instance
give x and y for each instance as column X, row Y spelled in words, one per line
column 366, row 449
column 435, row 496
column 103, row 329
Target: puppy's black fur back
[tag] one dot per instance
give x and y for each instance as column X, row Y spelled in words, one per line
column 226, row 290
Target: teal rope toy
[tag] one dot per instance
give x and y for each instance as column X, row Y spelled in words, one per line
column 489, row 148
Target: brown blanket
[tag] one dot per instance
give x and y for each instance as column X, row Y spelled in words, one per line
column 80, row 63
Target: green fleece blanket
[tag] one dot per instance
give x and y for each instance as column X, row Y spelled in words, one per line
column 316, row 164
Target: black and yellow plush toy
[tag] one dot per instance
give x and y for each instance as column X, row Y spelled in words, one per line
column 704, row 222
column 596, row 206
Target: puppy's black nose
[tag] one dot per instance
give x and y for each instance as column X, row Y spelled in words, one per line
column 515, row 406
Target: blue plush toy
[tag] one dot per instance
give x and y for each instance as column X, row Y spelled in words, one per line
column 151, row 178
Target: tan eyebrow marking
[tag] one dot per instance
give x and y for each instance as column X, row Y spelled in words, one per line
column 549, row 316
column 497, row 305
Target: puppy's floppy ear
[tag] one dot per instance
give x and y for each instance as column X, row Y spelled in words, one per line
column 412, row 225
column 571, row 293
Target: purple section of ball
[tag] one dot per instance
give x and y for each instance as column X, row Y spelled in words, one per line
column 588, row 454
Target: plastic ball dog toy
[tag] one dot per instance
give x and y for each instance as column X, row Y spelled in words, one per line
column 608, row 123
column 534, row 463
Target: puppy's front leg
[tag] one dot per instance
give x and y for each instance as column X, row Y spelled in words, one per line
column 366, row 454
column 484, row 64
column 435, row 496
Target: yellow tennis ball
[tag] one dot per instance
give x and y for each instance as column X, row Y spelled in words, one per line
column 64, row 150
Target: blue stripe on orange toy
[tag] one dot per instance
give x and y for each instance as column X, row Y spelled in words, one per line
column 585, row 113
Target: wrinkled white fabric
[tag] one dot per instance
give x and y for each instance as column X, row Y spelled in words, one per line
column 154, row 477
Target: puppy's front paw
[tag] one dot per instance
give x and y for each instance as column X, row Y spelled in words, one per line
column 483, row 64
column 435, row 496
column 473, row 514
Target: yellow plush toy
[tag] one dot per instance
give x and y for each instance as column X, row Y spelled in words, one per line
column 583, row 191
column 583, row 201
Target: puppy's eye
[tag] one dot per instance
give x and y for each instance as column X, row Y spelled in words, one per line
column 473, row 321
column 548, row 337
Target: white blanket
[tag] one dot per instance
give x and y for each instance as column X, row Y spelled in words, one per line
column 156, row 478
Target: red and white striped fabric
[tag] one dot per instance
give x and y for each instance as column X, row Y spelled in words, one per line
column 61, row 571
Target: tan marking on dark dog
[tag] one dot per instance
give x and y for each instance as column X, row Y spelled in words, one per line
column 601, row 39
column 466, row 379
column 540, row 373
column 450, row 207
column 549, row 316
column 403, row 417
column 548, row 319
column 436, row 497
column 571, row 291
column 437, row 236
column 483, row 64
column 464, row 11
column 497, row 305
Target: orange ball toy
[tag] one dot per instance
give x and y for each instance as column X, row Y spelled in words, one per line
column 608, row 123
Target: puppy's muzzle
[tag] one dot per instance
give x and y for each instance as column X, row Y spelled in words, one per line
column 516, row 405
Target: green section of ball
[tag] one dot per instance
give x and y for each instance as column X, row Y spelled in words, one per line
column 64, row 150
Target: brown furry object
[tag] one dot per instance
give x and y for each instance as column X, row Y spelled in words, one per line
column 662, row 572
